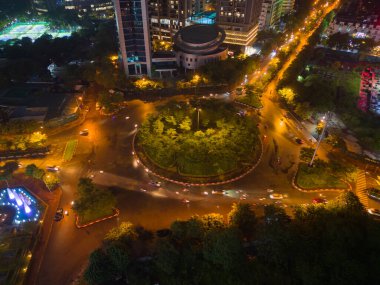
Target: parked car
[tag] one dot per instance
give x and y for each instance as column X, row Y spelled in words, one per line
column 58, row 215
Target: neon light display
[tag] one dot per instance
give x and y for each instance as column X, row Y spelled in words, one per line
column 25, row 204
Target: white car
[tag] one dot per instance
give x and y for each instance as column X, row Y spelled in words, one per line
column 52, row 168
column 374, row 212
column 276, row 196
column 84, row 132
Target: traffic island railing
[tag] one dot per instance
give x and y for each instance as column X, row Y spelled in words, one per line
column 79, row 226
column 242, row 174
column 297, row 187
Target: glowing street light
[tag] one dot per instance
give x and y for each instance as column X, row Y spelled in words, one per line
column 198, row 110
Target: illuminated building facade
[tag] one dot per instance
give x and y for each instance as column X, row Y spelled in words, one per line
column 134, row 37
column 360, row 19
column 168, row 16
column 239, row 19
column 271, row 11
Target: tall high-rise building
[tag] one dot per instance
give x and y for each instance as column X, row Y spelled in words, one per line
column 168, row 16
column 87, row 5
column 239, row 19
column 287, row 6
column 271, row 11
column 134, row 37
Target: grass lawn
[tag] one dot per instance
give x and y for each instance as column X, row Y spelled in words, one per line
column 91, row 216
column 252, row 100
column 70, row 150
column 313, row 178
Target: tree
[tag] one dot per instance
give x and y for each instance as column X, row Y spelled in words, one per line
column 124, row 232
column 306, row 154
column 185, row 125
column 92, row 201
column 288, row 95
column 212, row 221
column 223, row 248
column 100, row 269
column 244, row 218
column 119, row 258
column 35, row 172
column 7, row 169
column 51, row 180
column 37, row 138
column 303, row 110
column 110, row 102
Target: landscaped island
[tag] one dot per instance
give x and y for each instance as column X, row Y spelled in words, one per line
column 199, row 139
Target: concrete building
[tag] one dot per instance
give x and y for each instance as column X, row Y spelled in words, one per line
column 134, row 36
column 197, row 45
column 84, row 6
column 168, row 16
column 287, row 7
column 359, row 18
column 271, row 11
column 239, row 19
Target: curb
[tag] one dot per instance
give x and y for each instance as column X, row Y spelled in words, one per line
column 247, row 105
column 117, row 212
column 295, row 186
column 197, row 184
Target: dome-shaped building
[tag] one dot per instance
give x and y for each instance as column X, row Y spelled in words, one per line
column 197, row 45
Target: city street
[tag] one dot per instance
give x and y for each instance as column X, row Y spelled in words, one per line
column 105, row 156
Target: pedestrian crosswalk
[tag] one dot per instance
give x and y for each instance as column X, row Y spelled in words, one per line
column 361, row 185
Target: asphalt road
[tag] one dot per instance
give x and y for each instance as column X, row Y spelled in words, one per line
column 105, row 155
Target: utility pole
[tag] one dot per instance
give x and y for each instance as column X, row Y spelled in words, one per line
column 320, row 138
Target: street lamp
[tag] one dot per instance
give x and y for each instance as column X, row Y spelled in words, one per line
column 327, row 117
column 198, row 110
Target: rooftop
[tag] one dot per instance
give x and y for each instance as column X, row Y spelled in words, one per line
column 198, row 34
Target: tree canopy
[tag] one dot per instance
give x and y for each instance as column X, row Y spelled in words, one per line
column 199, row 139
column 336, row 243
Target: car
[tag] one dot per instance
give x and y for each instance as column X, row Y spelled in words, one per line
column 58, row 215
column 205, row 193
column 217, row 192
column 319, row 201
column 373, row 193
column 155, row 183
column 276, row 196
column 270, row 190
column 299, row 141
column 374, row 212
column 84, row 132
column 53, row 168
column 142, row 190
column 185, row 201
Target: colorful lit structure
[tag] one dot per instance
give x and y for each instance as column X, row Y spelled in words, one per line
column 24, row 203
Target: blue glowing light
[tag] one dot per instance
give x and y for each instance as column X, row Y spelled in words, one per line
column 25, row 204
